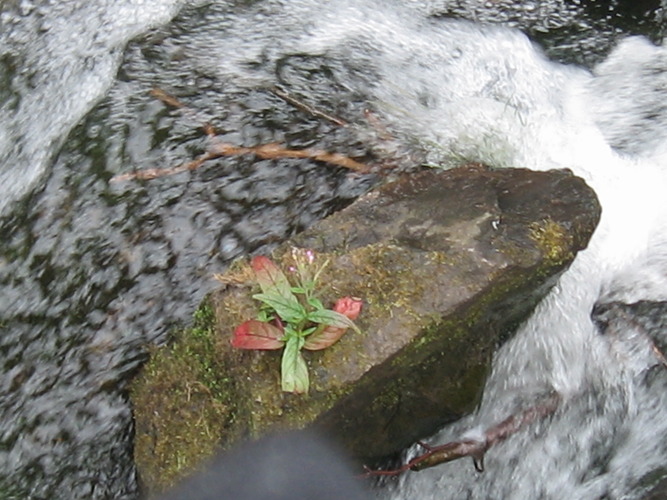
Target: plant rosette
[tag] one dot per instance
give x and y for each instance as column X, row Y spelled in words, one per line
column 292, row 318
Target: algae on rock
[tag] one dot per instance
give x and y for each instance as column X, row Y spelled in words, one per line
column 448, row 263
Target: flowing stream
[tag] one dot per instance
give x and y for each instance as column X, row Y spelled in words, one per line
column 93, row 269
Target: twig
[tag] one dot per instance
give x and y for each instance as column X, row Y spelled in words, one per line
column 436, row 455
column 265, row 151
column 307, row 108
column 270, row 151
column 658, row 354
column 640, row 329
column 273, row 151
column 153, row 173
column 172, row 101
column 166, row 98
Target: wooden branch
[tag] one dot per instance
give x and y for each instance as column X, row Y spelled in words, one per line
column 640, row 329
column 153, row 173
column 436, row 455
column 172, row 101
column 168, row 99
column 659, row 354
column 270, row 151
column 273, row 151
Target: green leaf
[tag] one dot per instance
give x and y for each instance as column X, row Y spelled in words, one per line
column 298, row 289
column 315, row 303
column 266, row 314
column 308, row 331
column 288, row 308
column 332, row 318
column 293, row 367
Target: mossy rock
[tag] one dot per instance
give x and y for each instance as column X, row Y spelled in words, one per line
column 448, row 263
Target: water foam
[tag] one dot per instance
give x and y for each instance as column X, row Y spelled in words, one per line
column 58, row 61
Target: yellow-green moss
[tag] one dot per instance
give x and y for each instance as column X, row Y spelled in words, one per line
column 553, row 239
column 181, row 404
column 182, row 398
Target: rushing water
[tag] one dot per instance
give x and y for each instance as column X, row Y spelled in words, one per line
column 92, row 271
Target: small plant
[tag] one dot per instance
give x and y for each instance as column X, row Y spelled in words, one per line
column 292, row 317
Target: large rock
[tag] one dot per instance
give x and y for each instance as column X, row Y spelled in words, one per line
column 447, row 263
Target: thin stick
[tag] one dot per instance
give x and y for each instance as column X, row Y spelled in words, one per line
column 659, row 354
column 172, row 101
column 264, row 151
column 166, row 98
column 153, row 173
column 642, row 331
column 270, row 151
column 307, row 108
column 273, row 151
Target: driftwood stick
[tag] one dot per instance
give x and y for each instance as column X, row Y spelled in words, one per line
column 436, row 455
column 264, row 151
column 659, row 354
column 168, row 99
column 274, row 151
column 641, row 330
column 270, row 151
column 172, row 101
column 153, row 173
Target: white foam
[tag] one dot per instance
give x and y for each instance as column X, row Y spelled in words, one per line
column 68, row 55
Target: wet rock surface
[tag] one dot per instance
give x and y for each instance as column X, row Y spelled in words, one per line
column 447, row 263
column 473, row 250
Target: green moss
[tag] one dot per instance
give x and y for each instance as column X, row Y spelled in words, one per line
column 181, row 401
column 385, row 277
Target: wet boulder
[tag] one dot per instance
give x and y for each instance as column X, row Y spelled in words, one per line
column 447, row 264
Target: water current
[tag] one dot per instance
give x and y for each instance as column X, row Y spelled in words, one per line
column 93, row 270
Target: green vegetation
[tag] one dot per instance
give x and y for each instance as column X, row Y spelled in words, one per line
column 292, row 317
column 181, row 402
column 201, row 392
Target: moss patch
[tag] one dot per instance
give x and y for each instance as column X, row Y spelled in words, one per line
column 553, row 239
column 181, row 404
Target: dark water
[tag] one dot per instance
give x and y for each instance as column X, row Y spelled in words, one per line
column 93, row 271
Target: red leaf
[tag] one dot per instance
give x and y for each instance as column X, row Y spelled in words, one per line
column 254, row 334
column 327, row 335
column 270, row 278
column 348, row 306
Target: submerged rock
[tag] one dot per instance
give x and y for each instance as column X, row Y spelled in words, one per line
column 447, row 263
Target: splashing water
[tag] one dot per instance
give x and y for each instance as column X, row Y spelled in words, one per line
column 90, row 273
